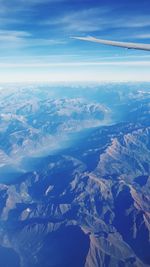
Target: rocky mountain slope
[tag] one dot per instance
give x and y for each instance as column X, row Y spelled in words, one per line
column 87, row 204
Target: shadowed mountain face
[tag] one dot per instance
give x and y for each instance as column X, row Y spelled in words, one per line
column 75, row 176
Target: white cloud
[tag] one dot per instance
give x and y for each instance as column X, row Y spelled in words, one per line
column 86, row 20
column 14, row 33
column 21, row 39
column 33, row 2
column 143, row 36
column 75, row 64
column 82, row 76
column 137, row 21
column 7, row 35
column 97, row 19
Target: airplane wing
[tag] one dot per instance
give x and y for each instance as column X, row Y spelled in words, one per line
column 138, row 46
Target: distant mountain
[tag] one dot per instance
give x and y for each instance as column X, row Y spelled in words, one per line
column 34, row 126
column 84, row 204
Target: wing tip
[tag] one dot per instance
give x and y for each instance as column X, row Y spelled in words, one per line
column 86, row 38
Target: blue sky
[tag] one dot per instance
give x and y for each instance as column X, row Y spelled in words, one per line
column 35, row 41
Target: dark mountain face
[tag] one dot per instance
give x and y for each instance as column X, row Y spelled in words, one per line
column 88, row 202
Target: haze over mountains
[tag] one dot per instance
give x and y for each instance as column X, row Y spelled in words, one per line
column 75, row 175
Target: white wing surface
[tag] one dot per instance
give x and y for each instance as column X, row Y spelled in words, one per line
column 138, row 46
